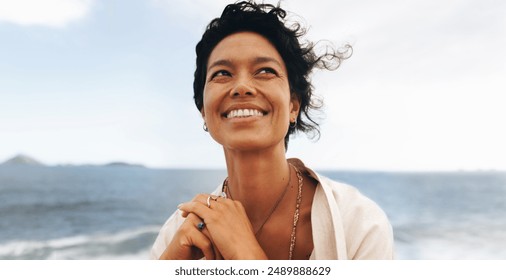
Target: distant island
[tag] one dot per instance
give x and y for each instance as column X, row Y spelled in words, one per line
column 24, row 160
column 118, row 163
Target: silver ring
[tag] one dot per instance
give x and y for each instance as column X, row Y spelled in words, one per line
column 201, row 226
column 209, row 202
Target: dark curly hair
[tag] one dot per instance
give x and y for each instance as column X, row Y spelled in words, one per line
column 299, row 58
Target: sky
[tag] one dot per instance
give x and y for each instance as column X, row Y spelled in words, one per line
column 91, row 82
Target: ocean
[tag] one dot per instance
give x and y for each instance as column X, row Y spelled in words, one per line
column 115, row 212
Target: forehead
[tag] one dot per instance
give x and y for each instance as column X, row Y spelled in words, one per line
column 244, row 46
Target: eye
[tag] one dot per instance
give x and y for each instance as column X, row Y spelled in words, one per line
column 267, row 70
column 220, row 73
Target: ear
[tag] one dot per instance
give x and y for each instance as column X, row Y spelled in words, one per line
column 202, row 112
column 294, row 108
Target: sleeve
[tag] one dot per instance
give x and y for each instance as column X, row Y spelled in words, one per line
column 165, row 235
column 349, row 226
column 369, row 235
column 376, row 242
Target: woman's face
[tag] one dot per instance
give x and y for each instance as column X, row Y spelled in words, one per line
column 247, row 103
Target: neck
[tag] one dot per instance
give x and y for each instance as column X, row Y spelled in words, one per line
column 257, row 179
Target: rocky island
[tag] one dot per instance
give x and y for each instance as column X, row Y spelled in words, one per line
column 23, row 160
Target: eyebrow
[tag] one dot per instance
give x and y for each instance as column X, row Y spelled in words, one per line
column 221, row 62
column 256, row 60
column 263, row 59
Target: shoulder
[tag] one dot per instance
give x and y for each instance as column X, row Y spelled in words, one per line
column 361, row 229
column 367, row 230
column 349, row 199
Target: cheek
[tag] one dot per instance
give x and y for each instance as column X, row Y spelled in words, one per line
column 209, row 102
column 283, row 102
column 205, row 96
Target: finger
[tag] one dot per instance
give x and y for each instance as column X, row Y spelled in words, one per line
column 205, row 199
column 217, row 254
column 197, row 208
column 203, row 240
column 184, row 214
column 205, row 245
column 198, row 223
column 189, row 244
column 195, row 221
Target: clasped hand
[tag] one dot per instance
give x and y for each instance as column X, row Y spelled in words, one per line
column 215, row 228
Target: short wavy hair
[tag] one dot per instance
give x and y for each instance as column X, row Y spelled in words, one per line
column 299, row 57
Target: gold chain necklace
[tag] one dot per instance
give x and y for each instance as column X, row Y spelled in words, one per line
column 226, row 189
column 296, row 213
column 226, row 192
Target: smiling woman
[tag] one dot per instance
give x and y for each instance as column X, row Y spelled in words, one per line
column 252, row 88
column 247, row 73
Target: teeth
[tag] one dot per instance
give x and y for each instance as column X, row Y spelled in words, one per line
column 243, row 113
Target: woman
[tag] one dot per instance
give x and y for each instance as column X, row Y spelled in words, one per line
column 253, row 91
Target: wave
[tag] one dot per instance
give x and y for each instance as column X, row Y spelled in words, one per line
column 128, row 244
column 451, row 243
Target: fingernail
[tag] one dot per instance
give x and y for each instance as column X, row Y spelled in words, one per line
column 179, row 206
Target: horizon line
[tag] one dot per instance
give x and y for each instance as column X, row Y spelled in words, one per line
column 196, row 167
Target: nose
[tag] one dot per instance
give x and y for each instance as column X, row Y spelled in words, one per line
column 243, row 87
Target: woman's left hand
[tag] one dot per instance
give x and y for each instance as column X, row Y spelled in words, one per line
column 228, row 224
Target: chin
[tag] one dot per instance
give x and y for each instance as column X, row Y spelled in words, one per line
column 251, row 144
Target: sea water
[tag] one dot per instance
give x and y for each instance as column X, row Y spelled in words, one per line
column 115, row 212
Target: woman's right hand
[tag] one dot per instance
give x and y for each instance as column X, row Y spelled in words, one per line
column 227, row 226
column 190, row 243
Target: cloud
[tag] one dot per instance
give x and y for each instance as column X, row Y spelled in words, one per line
column 52, row 13
column 192, row 16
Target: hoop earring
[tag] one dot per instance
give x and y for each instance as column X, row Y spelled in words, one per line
column 293, row 125
column 205, row 127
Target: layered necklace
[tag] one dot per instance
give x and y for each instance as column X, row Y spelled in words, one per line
column 226, row 190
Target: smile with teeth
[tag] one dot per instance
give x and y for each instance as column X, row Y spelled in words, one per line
column 244, row 113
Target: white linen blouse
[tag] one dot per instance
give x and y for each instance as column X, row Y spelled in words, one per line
column 346, row 225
